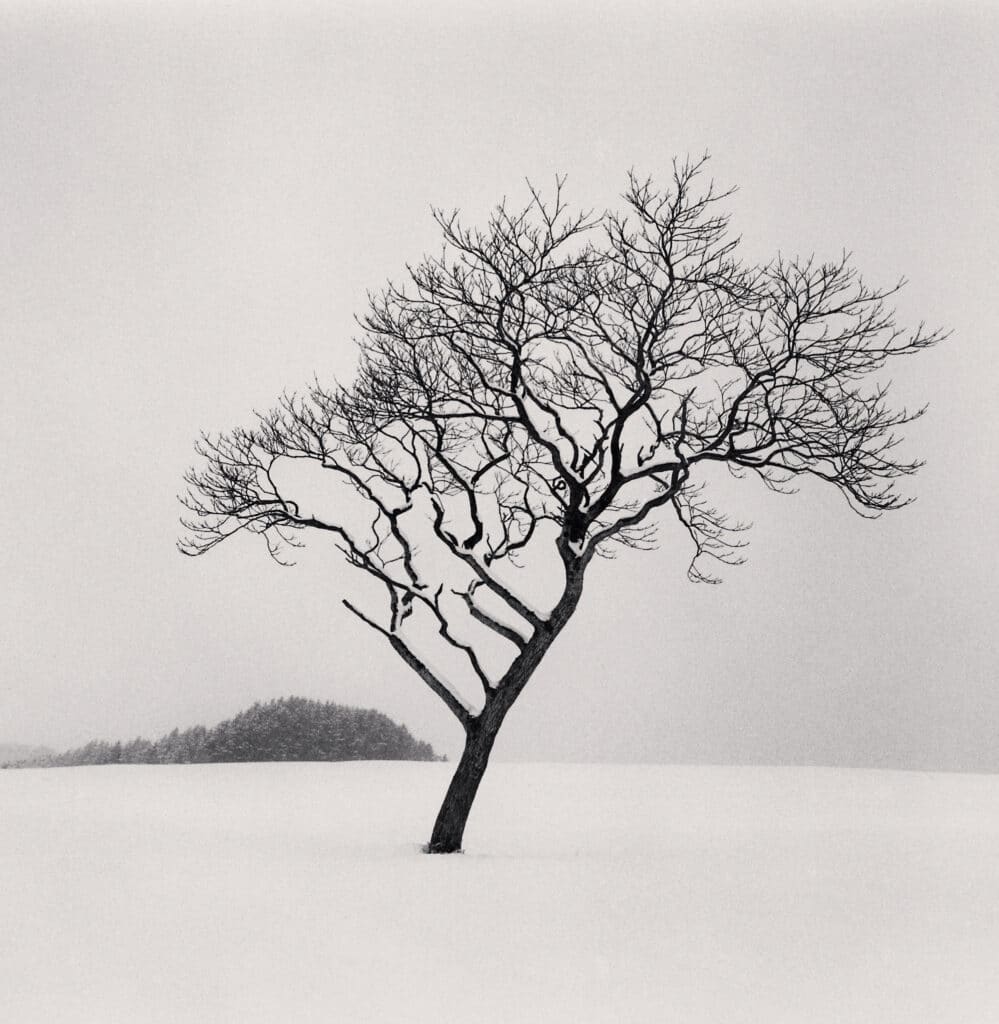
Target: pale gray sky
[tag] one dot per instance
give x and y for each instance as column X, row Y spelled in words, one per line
column 194, row 199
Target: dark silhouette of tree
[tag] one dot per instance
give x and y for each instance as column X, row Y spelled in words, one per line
column 543, row 388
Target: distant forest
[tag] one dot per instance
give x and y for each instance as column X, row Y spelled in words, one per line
column 287, row 729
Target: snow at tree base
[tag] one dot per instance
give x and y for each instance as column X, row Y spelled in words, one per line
column 587, row 893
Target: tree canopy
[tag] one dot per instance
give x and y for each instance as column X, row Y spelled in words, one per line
column 556, row 384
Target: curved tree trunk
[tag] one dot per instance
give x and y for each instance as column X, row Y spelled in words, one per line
column 480, row 732
column 450, row 825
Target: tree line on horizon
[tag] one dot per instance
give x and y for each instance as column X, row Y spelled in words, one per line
column 283, row 729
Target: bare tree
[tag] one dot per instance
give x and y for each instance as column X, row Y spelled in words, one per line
column 550, row 386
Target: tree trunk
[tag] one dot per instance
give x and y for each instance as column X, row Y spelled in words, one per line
column 450, row 825
column 480, row 733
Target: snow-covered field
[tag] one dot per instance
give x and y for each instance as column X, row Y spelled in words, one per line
column 297, row 892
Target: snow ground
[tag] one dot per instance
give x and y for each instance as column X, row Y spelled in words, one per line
column 287, row 893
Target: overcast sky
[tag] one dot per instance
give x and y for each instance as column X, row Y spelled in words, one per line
column 194, row 200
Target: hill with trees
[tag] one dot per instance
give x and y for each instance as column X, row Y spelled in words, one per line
column 285, row 729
